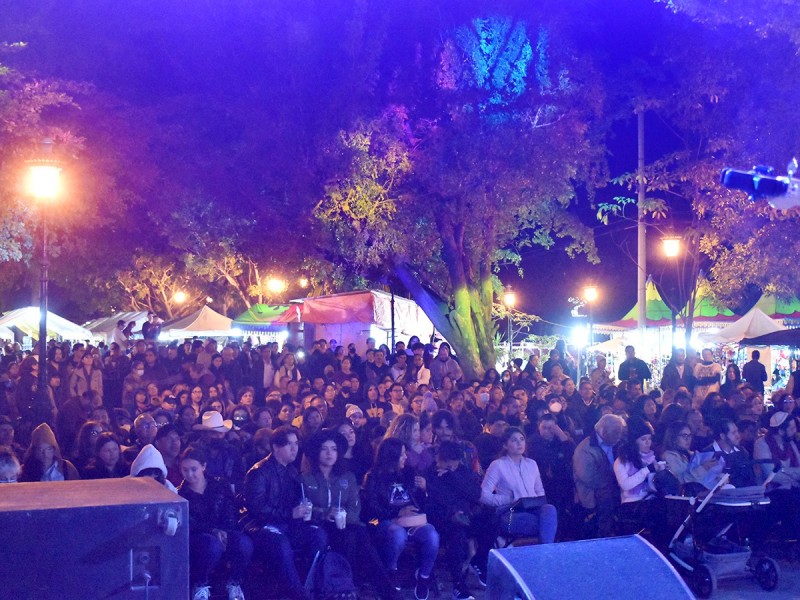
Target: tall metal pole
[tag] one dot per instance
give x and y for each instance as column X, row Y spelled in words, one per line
column 510, row 340
column 391, row 289
column 590, row 357
column 641, row 254
column 44, row 401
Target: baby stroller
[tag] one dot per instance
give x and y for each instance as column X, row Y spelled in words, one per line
column 704, row 562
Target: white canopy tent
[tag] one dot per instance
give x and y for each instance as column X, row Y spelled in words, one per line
column 27, row 320
column 753, row 324
column 206, row 322
column 104, row 326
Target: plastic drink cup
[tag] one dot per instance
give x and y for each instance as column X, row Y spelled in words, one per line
column 309, row 508
column 340, row 518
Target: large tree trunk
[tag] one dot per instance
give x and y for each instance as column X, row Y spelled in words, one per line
column 466, row 322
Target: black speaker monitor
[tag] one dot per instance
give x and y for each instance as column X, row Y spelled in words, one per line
column 605, row 569
column 120, row 539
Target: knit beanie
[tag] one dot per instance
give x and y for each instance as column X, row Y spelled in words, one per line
column 637, row 427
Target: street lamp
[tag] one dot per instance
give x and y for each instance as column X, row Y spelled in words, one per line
column 180, row 297
column 671, row 245
column 44, row 186
column 276, row 285
column 303, row 281
column 590, row 296
column 509, row 300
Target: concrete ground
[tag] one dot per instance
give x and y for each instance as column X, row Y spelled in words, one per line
column 744, row 588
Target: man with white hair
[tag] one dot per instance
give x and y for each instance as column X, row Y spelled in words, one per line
column 593, row 470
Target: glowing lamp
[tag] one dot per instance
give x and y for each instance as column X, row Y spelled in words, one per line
column 276, row 285
column 509, row 298
column 590, row 293
column 303, row 282
column 179, row 297
column 672, row 246
column 44, row 181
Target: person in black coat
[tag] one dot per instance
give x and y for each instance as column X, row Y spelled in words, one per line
column 755, row 373
column 275, row 513
column 454, row 508
column 212, row 527
column 677, row 373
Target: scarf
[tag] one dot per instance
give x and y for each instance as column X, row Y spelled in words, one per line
column 783, row 455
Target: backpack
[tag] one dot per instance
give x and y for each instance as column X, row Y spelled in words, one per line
column 331, row 578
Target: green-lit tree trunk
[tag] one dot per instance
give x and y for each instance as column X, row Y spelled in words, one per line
column 465, row 319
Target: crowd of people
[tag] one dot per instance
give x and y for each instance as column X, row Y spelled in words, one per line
column 282, row 453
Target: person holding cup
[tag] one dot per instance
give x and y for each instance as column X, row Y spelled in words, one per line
column 277, row 516
column 334, row 494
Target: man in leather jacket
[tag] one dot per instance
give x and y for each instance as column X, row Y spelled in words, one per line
column 275, row 514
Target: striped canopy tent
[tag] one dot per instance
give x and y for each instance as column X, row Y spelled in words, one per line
column 261, row 317
column 775, row 308
column 658, row 314
column 708, row 311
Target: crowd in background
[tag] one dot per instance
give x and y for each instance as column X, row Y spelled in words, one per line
column 282, row 453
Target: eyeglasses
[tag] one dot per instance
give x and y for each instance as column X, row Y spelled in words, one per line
column 685, row 436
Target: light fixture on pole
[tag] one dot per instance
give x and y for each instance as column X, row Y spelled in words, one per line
column 44, row 186
column 590, row 296
column 180, row 297
column 509, row 301
column 276, row 285
column 671, row 245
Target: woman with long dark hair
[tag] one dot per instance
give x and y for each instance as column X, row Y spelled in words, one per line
column 635, row 469
column 395, row 498
column 213, row 531
column 334, row 493
column 678, row 454
column 86, row 443
column 108, row 462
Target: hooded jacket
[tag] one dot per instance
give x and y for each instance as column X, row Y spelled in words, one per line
column 32, row 469
column 150, row 458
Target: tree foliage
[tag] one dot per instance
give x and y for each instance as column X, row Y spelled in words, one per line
column 433, row 197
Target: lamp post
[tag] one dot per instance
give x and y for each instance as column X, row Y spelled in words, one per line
column 44, row 186
column 590, row 296
column 509, row 300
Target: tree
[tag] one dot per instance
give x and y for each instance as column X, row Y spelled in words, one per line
column 714, row 114
column 155, row 284
column 435, row 197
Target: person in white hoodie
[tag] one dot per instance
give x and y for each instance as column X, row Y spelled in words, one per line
column 514, row 476
column 150, row 463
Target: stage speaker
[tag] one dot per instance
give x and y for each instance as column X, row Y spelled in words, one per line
column 605, row 569
column 120, row 539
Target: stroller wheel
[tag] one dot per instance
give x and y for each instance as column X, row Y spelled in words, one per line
column 767, row 573
column 703, row 581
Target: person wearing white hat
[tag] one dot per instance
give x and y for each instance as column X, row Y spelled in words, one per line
column 224, row 458
column 212, row 421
